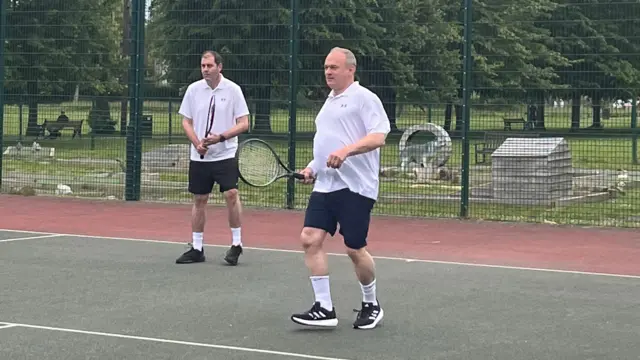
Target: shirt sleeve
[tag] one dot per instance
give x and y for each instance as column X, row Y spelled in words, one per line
column 313, row 165
column 374, row 116
column 185, row 105
column 240, row 107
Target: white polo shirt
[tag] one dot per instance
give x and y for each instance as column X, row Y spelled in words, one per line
column 344, row 120
column 230, row 105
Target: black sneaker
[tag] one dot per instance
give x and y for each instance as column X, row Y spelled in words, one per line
column 316, row 316
column 191, row 256
column 233, row 254
column 368, row 317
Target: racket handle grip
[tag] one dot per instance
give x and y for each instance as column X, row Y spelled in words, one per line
column 298, row 176
column 202, row 157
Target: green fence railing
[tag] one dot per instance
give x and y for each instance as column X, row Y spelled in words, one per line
column 517, row 111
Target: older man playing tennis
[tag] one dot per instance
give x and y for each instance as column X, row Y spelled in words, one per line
column 350, row 129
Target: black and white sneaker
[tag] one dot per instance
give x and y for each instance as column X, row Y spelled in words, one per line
column 191, row 256
column 368, row 317
column 233, row 254
column 316, row 316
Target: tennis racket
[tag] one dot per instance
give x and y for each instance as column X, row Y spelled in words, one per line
column 260, row 166
column 211, row 113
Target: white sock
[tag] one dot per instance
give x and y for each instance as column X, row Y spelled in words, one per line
column 235, row 236
column 322, row 291
column 197, row 240
column 369, row 293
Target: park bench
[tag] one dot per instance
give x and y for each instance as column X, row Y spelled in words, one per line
column 54, row 127
column 493, row 140
column 509, row 121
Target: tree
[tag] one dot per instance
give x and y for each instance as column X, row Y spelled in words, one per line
column 512, row 57
column 401, row 47
column 600, row 42
column 252, row 37
column 54, row 47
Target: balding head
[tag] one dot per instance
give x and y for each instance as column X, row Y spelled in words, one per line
column 350, row 58
column 339, row 69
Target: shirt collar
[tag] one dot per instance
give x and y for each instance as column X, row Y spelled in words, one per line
column 346, row 92
column 221, row 85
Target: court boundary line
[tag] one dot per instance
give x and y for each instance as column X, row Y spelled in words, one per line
column 6, row 326
column 30, row 238
column 175, row 342
column 392, row 258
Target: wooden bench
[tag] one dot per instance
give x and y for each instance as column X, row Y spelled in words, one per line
column 509, row 121
column 54, row 127
column 493, row 140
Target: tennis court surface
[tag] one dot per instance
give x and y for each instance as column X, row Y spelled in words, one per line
column 94, row 294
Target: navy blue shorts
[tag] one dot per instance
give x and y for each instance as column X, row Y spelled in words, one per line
column 350, row 210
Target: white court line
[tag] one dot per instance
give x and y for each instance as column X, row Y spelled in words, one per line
column 178, row 342
column 30, row 238
column 407, row 260
column 6, row 326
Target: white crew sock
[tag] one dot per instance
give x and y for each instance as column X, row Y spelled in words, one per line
column 369, row 293
column 197, row 240
column 322, row 291
column 235, row 236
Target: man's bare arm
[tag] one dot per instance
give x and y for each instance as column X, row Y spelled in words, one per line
column 187, row 125
column 366, row 144
column 242, row 125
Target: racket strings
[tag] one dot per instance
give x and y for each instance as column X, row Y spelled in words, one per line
column 258, row 165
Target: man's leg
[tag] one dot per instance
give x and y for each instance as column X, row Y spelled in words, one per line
column 354, row 218
column 319, row 221
column 234, row 209
column 226, row 174
column 200, row 185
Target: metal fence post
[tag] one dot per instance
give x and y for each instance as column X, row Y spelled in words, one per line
column 3, row 35
column 293, row 94
column 134, row 138
column 634, row 129
column 466, row 108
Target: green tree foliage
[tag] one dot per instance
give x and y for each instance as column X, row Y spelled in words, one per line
column 253, row 36
column 409, row 51
column 54, row 46
column 513, row 60
column 599, row 39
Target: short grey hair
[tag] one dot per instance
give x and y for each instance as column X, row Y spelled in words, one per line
column 351, row 58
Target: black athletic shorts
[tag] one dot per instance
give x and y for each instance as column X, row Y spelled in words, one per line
column 348, row 209
column 203, row 175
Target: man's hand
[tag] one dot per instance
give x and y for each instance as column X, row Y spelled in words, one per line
column 201, row 148
column 211, row 139
column 336, row 158
column 308, row 176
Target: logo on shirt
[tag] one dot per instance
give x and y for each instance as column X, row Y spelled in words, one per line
column 343, row 105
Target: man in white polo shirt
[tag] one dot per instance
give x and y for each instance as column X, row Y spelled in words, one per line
column 350, row 129
column 215, row 112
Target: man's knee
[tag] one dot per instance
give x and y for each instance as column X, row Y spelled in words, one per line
column 312, row 238
column 231, row 196
column 200, row 201
column 357, row 254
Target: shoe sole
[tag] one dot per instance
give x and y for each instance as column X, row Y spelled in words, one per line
column 373, row 324
column 190, row 261
column 316, row 323
column 231, row 262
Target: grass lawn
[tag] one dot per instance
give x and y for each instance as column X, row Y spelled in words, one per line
column 587, row 153
column 167, row 120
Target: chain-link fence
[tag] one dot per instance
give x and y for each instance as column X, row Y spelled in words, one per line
column 504, row 110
